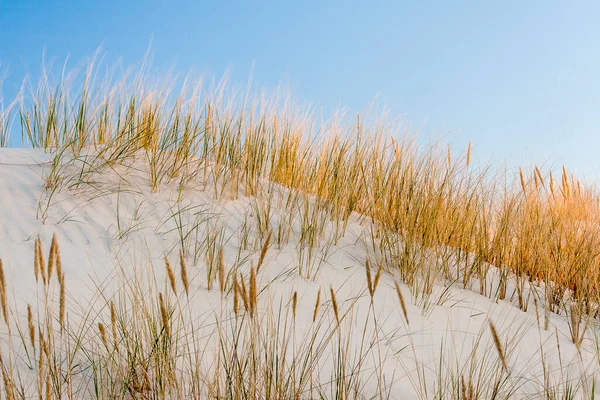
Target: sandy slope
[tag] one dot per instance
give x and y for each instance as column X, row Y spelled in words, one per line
column 99, row 230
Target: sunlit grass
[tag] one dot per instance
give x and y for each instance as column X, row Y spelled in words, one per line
column 430, row 216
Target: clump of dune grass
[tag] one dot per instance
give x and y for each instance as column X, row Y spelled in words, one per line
column 141, row 341
column 430, row 215
column 436, row 217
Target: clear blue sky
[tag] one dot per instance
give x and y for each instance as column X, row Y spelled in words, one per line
column 520, row 79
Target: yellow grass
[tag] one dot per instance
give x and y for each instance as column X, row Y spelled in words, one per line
column 431, row 216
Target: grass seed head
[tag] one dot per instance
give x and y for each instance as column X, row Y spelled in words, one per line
column 294, row 304
column 369, row 280
column 171, row 276
column 184, row 275
column 41, row 263
column 36, row 260
column 244, row 293
column 469, row 154
column 102, row 331
column 113, row 324
column 317, row 304
column 31, row 326
column 52, row 257
column 402, row 302
column 263, row 251
column 236, row 296
column 498, row 345
column 377, row 278
column 59, row 271
column 164, row 315
column 522, row 178
column 334, row 304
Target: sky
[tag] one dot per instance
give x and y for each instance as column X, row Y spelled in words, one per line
column 519, row 79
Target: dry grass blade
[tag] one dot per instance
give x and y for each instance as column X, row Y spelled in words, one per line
column 62, row 301
column 3, row 294
column 222, row 271
column 253, row 292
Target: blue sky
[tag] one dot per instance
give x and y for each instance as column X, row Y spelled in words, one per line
column 520, row 79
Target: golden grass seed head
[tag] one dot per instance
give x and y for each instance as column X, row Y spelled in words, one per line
column 31, row 326
column 52, row 257
column 469, row 154
column 369, row 280
column 334, row 304
column 43, row 344
column 539, row 175
column 522, row 178
column 59, row 271
column 113, row 324
column 377, row 278
column 402, row 302
column 498, row 345
column 294, row 304
column 317, row 304
column 36, row 260
column 236, row 296
column 244, row 293
column 41, row 263
column 170, row 276
column 263, row 251
column 164, row 315
column 102, row 331
column 184, row 275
